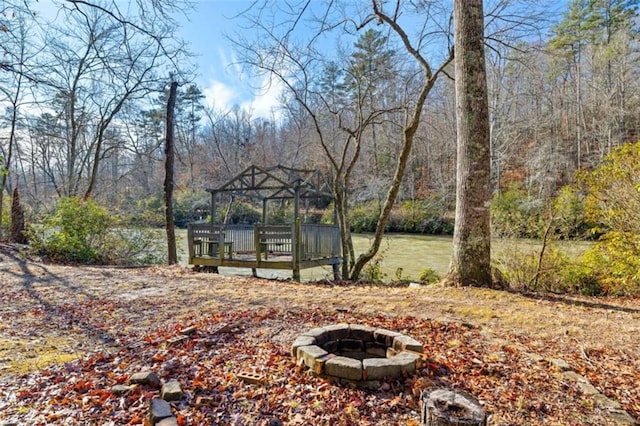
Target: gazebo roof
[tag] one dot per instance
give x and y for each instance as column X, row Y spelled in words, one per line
column 276, row 182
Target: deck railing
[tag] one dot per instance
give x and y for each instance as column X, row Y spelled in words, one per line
column 320, row 241
column 317, row 241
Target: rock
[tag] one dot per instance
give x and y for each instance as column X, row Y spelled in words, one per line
column 376, row 349
column 250, row 377
column 309, row 354
column 301, row 341
column 318, row 333
column 189, row 330
column 169, row 421
column 560, row 364
column 385, row 337
column 444, row 407
column 622, row 418
column 120, row 389
column 377, row 368
column 204, row 401
column 176, row 340
column 346, row 368
column 159, row 409
column 401, row 343
column 408, row 361
column 360, row 332
column 337, row 331
column 171, row 391
column 145, row 378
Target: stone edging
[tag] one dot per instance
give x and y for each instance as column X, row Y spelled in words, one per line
column 357, row 352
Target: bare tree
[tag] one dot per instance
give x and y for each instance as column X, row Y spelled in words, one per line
column 339, row 135
column 112, row 68
column 414, row 109
column 99, row 61
column 345, row 122
column 169, row 179
column 12, row 88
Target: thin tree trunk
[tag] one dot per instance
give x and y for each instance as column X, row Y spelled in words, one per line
column 409, row 132
column 168, row 178
column 17, row 219
column 12, row 138
column 471, row 260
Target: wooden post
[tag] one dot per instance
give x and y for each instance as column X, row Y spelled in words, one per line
column 444, row 407
column 256, row 242
column 213, row 207
column 296, row 235
column 190, row 245
column 264, row 211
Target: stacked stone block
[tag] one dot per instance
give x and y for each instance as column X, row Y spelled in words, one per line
column 357, row 352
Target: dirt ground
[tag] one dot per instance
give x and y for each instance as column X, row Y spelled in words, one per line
column 52, row 314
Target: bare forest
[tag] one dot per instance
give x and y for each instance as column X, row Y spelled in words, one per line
column 368, row 100
column 502, row 123
column 83, row 106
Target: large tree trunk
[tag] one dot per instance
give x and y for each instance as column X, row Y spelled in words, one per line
column 168, row 178
column 471, row 261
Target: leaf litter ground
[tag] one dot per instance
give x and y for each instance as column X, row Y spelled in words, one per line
column 69, row 334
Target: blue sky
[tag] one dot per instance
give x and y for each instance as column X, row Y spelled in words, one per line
column 219, row 75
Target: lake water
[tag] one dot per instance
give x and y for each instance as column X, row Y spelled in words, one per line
column 411, row 252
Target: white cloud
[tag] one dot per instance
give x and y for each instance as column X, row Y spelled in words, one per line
column 227, row 87
column 220, row 96
column 266, row 104
column 231, row 66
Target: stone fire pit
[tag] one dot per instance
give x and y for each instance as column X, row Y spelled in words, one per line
column 357, row 352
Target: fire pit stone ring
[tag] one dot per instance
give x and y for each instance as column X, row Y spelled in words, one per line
column 357, row 352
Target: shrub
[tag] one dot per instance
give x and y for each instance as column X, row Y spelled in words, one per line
column 81, row 231
column 280, row 213
column 555, row 273
column 616, row 263
column 423, row 217
column 364, row 217
column 149, row 212
column 413, row 216
column 613, row 191
column 188, row 206
column 372, row 272
column 570, row 220
column 6, row 216
column 136, row 246
column 328, row 215
column 240, row 213
column 428, row 276
column 76, row 231
column 514, row 214
column 613, row 203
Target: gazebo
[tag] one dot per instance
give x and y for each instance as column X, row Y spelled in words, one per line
column 292, row 247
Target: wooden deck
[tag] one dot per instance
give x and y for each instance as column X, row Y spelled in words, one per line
column 264, row 246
